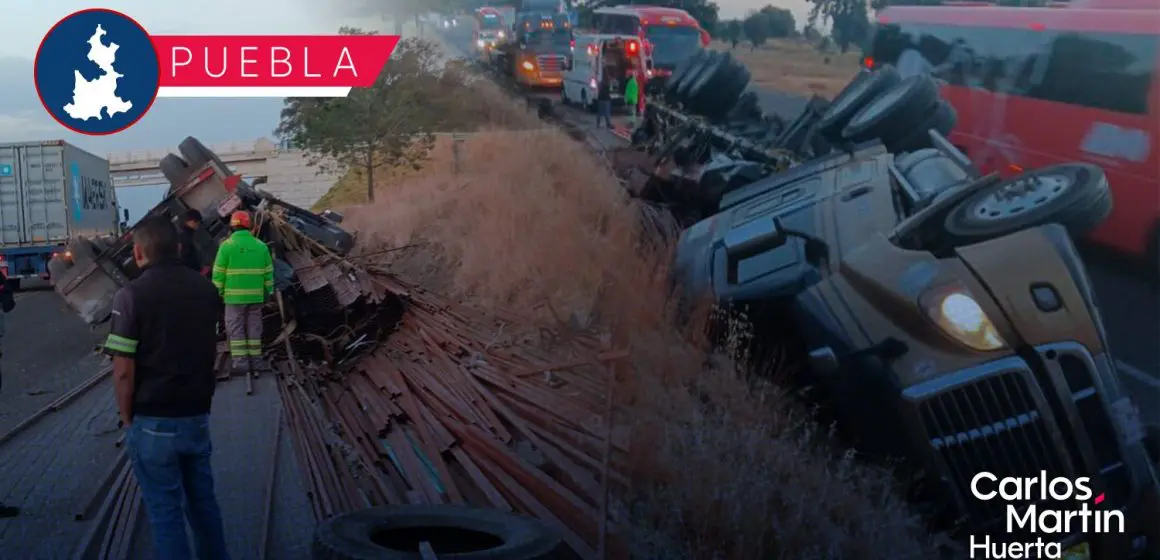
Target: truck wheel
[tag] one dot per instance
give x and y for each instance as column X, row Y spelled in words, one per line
column 1074, row 195
column 943, row 120
column 682, row 73
column 719, row 89
column 197, row 154
column 395, row 532
column 175, row 170
column 862, row 90
column 894, row 113
column 707, row 63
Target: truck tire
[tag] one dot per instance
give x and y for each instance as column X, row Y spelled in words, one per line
column 863, row 89
column 175, row 169
column 682, row 73
column 941, row 119
column 707, row 63
column 719, row 90
column 896, row 112
column 395, row 532
column 1073, row 195
column 197, row 154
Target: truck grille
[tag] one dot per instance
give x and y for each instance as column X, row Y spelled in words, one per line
column 990, row 424
column 550, row 64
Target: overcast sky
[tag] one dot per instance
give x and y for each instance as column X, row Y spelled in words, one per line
column 169, row 120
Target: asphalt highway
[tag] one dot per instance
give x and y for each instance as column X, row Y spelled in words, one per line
column 1129, row 301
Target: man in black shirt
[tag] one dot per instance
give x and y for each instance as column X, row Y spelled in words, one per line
column 190, row 223
column 604, row 102
column 164, row 346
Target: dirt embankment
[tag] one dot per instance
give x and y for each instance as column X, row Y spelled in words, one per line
column 722, row 465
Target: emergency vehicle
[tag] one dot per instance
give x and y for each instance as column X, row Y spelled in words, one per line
column 1039, row 86
column 596, row 57
column 488, row 28
column 669, row 35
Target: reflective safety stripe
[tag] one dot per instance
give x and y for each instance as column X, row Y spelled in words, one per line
column 246, row 272
column 218, row 284
column 243, row 292
column 253, row 342
column 121, row 344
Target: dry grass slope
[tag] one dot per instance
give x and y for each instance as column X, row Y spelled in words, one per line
column 794, row 66
column 722, row 466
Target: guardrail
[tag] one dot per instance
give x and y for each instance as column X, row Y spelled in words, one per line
column 233, row 150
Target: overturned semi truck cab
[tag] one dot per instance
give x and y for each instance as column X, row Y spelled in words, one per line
column 91, row 270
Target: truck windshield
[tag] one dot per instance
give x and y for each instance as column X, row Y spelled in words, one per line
column 672, row 43
column 549, row 41
column 490, row 22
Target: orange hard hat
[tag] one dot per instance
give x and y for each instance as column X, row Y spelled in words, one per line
column 240, row 218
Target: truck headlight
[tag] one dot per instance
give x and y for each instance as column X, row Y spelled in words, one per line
column 960, row 316
column 480, row 43
column 501, row 35
column 528, row 66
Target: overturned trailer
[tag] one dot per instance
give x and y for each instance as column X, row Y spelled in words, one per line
column 314, row 281
column 944, row 314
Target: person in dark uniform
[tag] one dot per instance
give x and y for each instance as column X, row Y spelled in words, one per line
column 163, row 345
column 604, row 103
column 190, row 222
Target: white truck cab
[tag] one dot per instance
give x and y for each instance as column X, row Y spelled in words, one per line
column 601, row 56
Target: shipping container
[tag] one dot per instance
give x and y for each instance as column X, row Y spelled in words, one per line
column 50, row 192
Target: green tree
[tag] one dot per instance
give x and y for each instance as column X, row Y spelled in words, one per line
column 375, row 128
column 781, row 21
column 756, row 28
column 850, row 20
column 731, row 32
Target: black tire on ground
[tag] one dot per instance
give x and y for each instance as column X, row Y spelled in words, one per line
column 709, row 74
column 395, row 532
column 896, row 112
column 175, row 169
column 942, row 119
column 1074, row 195
column 861, row 90
column 747, row 109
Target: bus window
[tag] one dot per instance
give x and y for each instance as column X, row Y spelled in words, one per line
column 672, row 44
column 1107, row 71
column 618, row 24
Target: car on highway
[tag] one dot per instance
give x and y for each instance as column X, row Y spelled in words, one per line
column 1088, row 68
column 944, row 314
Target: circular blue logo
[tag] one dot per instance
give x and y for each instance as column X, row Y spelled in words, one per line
column 97, row 72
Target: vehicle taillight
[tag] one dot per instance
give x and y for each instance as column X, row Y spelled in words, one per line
column 868, row 62
column 633, row 48
column 706, row 39
column 572, row 44
column 1037, row 27
column 592, row 83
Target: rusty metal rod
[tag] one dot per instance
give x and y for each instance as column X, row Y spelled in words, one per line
column 101, row 519
column 605, row 467
column 98, row 491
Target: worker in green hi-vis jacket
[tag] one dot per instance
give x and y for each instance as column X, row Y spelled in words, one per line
column 631, row 96
column 243, row 273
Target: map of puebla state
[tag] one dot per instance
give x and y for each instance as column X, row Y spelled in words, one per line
column 90, row 98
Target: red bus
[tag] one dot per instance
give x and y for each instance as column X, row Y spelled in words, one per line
column 670, row 34
column 1039, row 86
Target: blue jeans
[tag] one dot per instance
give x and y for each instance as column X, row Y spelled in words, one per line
column 171, row 459
column 604, row 112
